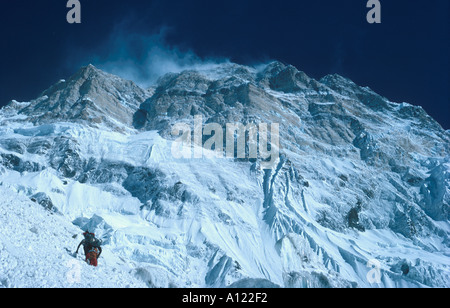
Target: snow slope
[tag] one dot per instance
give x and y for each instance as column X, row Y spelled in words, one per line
column 35, row 246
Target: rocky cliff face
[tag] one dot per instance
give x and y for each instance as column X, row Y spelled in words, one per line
column 359, row 178
column 91, row 96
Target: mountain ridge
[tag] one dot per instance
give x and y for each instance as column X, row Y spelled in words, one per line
column 288, row 75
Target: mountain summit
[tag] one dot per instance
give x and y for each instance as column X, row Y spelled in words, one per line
column 90, row 95
column 358, row 197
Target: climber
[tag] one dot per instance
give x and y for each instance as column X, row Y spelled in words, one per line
column 91, row 246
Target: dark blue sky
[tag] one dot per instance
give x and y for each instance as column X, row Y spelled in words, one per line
column 405, row 58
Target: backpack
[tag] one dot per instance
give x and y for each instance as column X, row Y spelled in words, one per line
column 91, row 240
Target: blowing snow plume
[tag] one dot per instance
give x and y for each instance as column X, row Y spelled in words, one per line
column 144, row 58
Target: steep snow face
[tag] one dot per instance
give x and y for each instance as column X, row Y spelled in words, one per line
column 359, row 196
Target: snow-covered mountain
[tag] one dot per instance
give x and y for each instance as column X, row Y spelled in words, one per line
column 359, row 196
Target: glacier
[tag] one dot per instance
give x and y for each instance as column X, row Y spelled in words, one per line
column 360, row 181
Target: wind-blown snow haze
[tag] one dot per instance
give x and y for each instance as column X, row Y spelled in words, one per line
column 145, row 58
